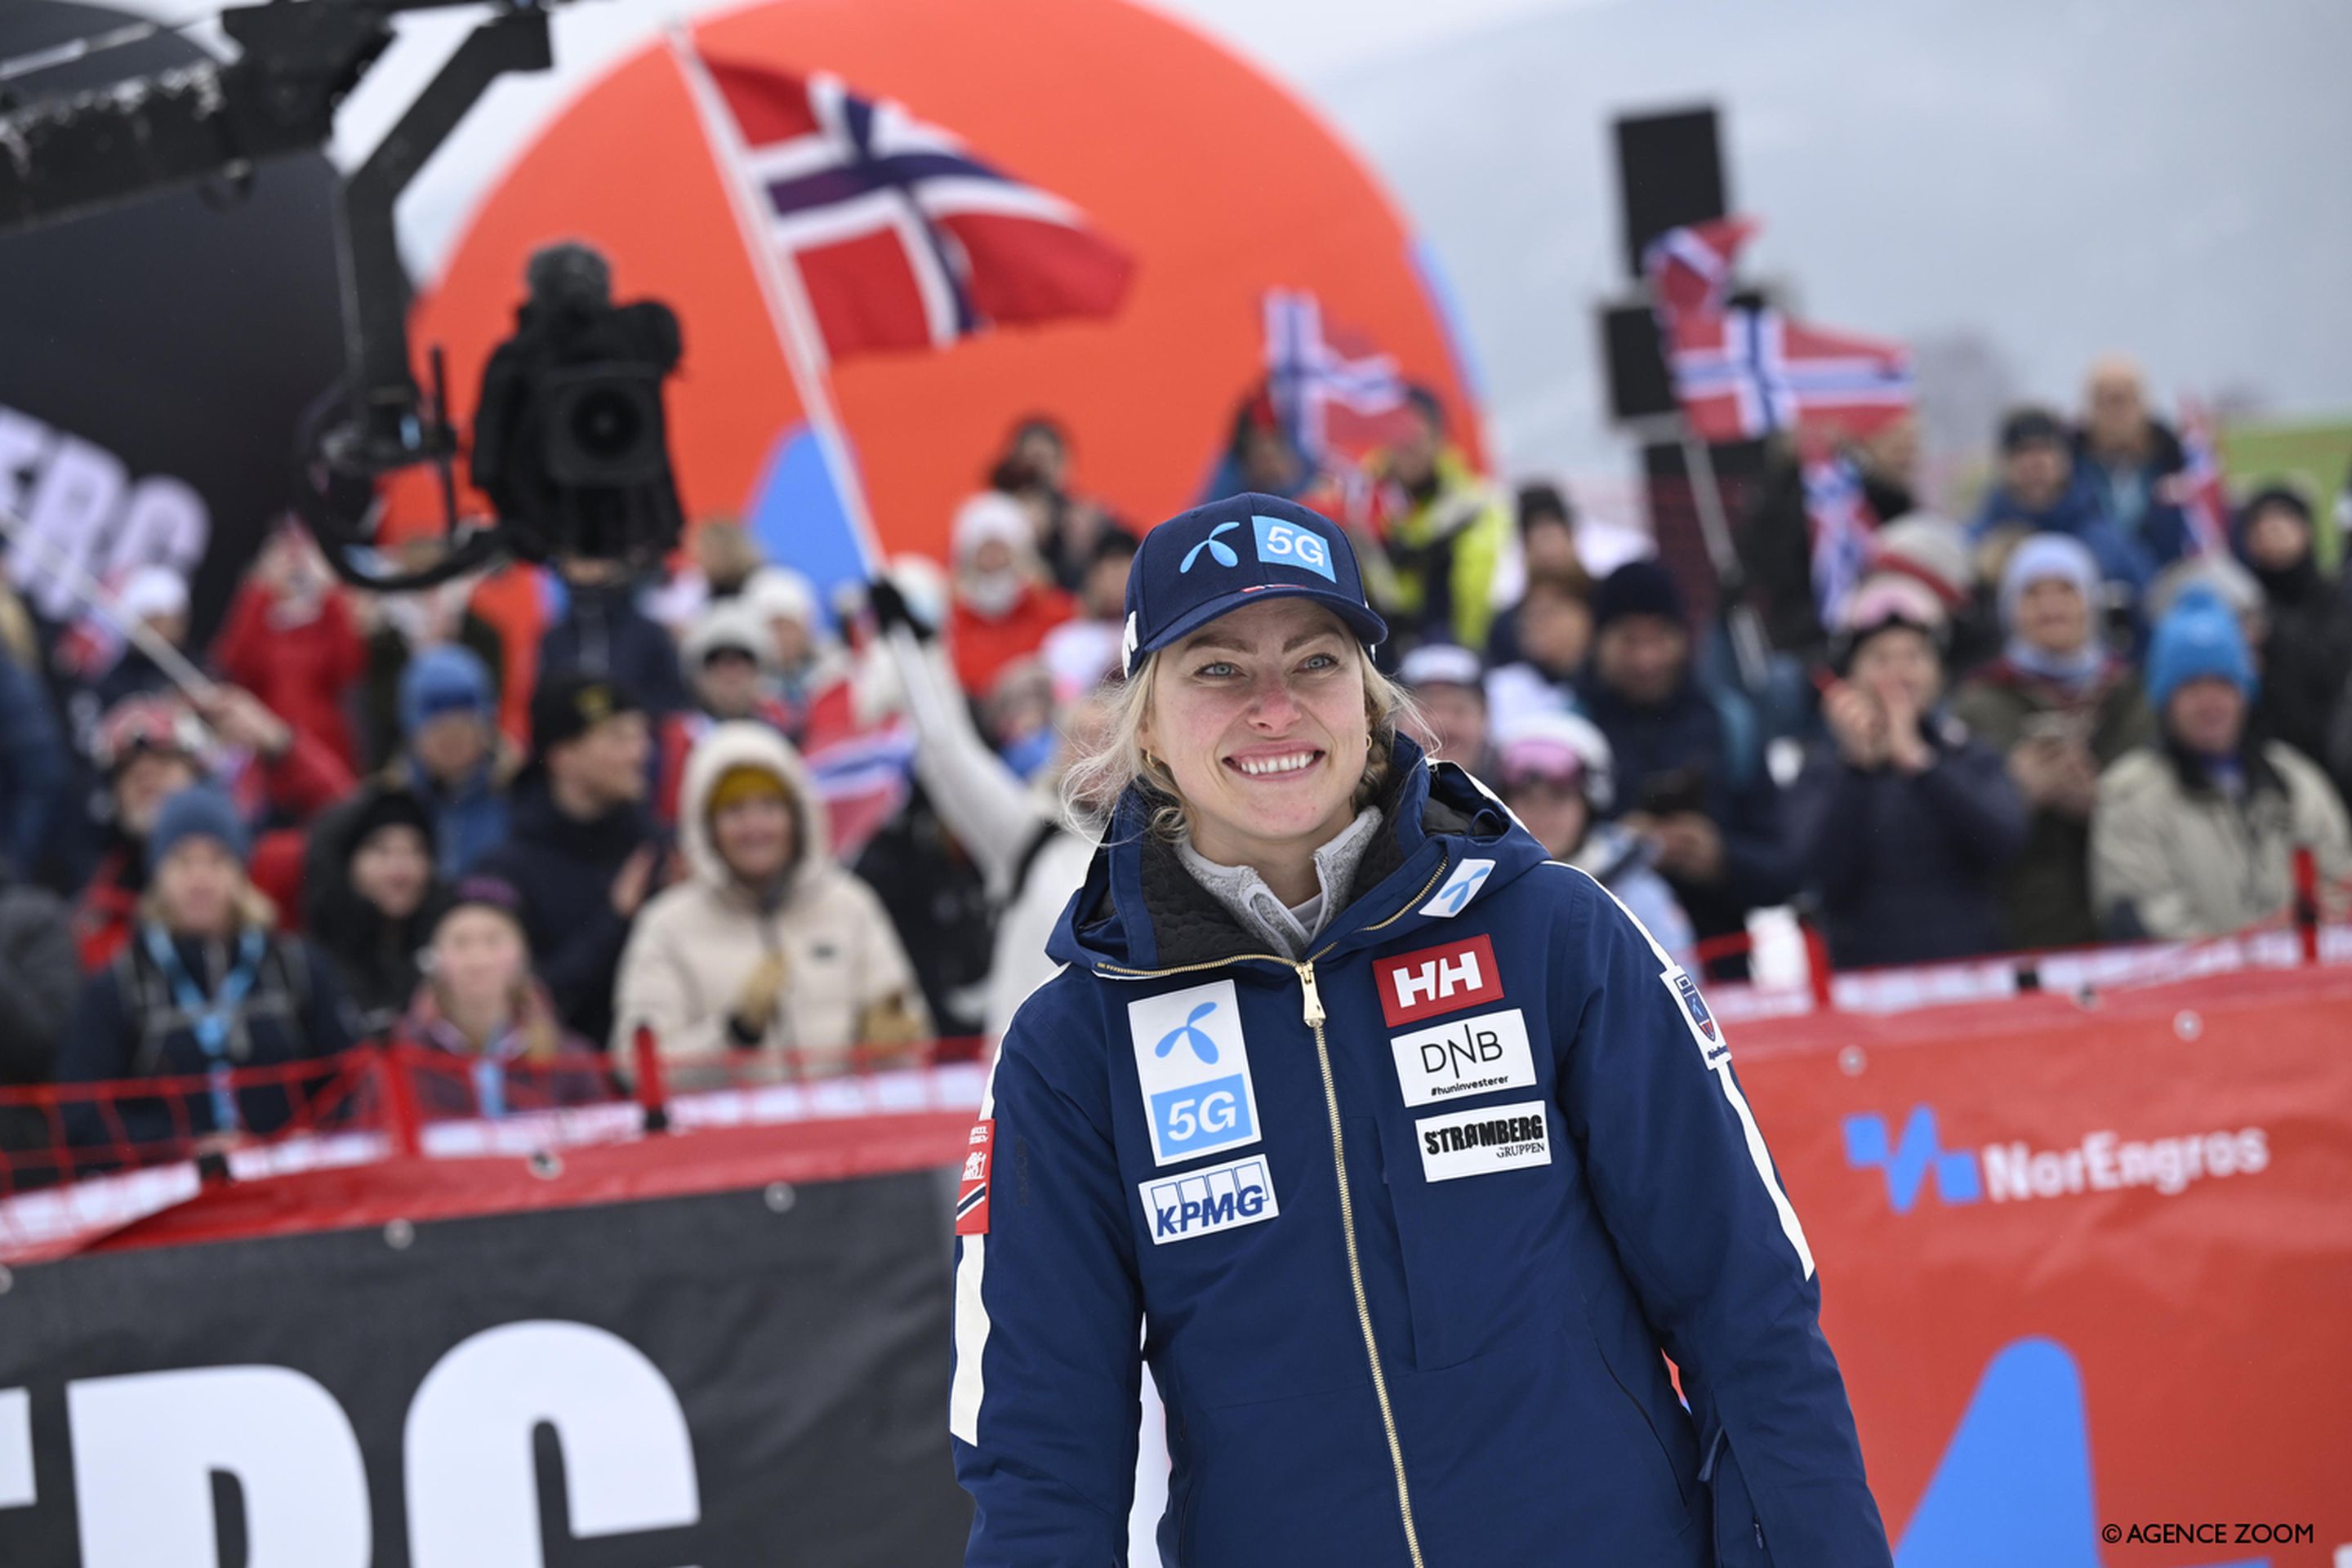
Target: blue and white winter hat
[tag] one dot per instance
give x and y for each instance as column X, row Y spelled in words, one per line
column 1214, row 559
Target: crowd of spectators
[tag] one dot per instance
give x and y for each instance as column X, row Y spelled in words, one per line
column 2057, row 723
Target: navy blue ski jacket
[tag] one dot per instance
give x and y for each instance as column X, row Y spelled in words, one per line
column 1401, row 1230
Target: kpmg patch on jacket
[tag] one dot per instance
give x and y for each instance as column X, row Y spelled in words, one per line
column 1433, row 980
column 1194, row 1068
column 1482, row 1141
column 1713, row 1049
column 1460, row 888
column 972, row 1190
column 1476, row 1055
column 1197, row 1202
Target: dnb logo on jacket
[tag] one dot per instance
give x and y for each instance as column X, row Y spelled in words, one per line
column 1467, row 1055
column 1197, row 1202
column 1194, row 1069
column 1433, row 980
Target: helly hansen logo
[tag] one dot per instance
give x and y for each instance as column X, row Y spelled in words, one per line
column 1433, row 980
column 1223, row 1197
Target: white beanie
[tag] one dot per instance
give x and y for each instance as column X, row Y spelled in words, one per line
column 729, row 624
column 154, row 591
column 991, row 514
column 781, row 594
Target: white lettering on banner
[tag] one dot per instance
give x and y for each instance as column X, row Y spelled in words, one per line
column 79, row 501
column 1483, row 1141
column 146, row 1447
column 17, row 1489
column 2014, row 1172
column 628, row 1458
column 1483, row 1052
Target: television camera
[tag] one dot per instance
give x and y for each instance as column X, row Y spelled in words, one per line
column 570, row 441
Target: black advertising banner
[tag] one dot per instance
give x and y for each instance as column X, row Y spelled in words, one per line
column 745, row 1378
column 155, row 359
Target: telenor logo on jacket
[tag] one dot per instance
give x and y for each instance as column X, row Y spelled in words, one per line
column 1433, row 980
column 1194, row 1069
column 1468, row 1055
column 1478, row 1142
column 1222, row 1197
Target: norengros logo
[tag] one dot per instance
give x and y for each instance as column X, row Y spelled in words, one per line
column 2015, row 1171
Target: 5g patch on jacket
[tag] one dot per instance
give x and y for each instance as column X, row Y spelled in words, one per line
column 1194, row 1068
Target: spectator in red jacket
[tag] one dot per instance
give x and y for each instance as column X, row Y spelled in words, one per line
column 1003, row 606
column 292, row 640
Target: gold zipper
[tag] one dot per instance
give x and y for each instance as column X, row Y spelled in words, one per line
column 1313, row 1013
column 1312, row 1002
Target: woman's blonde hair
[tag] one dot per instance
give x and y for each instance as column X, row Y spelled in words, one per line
column 1095, row 779
column 255, row 909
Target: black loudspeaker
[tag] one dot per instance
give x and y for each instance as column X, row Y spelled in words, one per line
column 1669, row 173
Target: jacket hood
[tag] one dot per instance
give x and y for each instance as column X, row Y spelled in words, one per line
column 1140, row 909
column 745, row 745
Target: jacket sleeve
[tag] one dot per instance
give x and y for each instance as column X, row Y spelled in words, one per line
column 96, row 1050
column 40, row 978
column 983, row 801
column 34, row 764
column 1821, row 810
column 1969, row 796
column 2135, row 885
column 307, row 778
column 1690, row 1195
column 654, row 990
column 1044, row 1406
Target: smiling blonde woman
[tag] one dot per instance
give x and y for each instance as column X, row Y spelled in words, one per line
column 1402, row 1151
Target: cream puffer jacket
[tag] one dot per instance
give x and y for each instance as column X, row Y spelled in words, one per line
column 846, row 978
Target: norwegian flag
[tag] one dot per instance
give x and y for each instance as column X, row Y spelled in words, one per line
column 2200, row 490
column 1689, row 269
column 1744, row 373
column 1838, row 514
column 902, row 238
column 861, row 770
column 1333, row 391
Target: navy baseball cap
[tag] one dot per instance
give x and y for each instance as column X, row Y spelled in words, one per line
column 1214, row 559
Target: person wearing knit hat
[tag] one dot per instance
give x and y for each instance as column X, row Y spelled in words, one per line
column 768, row 944
column 583, row 848
column 370, row 896
column 484, row 1036
column 1692, row 785
column 2060, row 706
column 1003, row 605
column 449, row 754
column 2306, row 651
column 1449, row 685
column 1902, row 821
column 2195, row 835
column 205, row 987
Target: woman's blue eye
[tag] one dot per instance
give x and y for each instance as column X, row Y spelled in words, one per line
column 1215, row 669
column 1322, row 661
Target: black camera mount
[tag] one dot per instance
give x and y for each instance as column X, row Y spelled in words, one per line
column 297, row 60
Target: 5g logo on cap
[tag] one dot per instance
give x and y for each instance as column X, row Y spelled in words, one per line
column 1281, row 544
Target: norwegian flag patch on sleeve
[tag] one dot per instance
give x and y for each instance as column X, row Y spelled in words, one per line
column 972, row 1190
